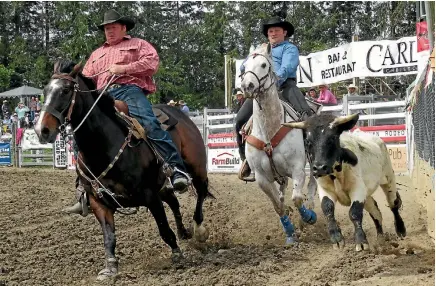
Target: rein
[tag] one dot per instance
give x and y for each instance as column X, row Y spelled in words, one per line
column 267, row 146
column 96, row 184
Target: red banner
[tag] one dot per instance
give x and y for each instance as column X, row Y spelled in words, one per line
column 422, row 36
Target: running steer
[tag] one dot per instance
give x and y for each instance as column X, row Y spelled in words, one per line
column 349, row 167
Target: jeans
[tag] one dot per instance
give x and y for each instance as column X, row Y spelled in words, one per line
column 140, row 108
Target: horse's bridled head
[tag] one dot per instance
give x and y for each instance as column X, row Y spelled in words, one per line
column 58, row 95
column 256, row 77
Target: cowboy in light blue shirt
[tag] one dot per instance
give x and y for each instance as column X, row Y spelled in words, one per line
column 285, row 58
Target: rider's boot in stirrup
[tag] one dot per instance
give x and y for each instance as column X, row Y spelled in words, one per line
column 245, row 171
column 79, row 207
column 180, row 182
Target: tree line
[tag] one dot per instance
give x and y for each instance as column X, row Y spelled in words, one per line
column 190, row 37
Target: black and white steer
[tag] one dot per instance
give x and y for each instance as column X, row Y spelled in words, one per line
column 349, row 167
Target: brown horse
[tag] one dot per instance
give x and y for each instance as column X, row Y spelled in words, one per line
column 131, row 175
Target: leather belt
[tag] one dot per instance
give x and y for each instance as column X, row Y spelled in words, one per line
column 115, row 85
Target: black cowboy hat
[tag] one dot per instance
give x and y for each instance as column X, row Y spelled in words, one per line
column 113, row 16
column 277, row 22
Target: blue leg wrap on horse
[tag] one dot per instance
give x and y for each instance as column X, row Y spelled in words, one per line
column 308, row 216
column 288, row 227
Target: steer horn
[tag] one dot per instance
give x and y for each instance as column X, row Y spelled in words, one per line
column 295, row 125
column 344, row 119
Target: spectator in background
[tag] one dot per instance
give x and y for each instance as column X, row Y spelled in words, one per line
column 239, row 97
column 172, row 103
column 32, row 106
column 326, row 97
column 183, row 107
column 14, row 119
column 38, row 105
column 352, row 91
column 35, row 119
column 312, row 94
column 21, row 110
column 5, row 109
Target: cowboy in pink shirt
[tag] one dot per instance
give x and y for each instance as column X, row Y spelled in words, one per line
column 135, row 61
column 326, row 96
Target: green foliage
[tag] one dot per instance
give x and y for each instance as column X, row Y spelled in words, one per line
column 190, row 37
column 5, row 77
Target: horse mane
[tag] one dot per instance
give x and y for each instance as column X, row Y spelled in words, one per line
column 106, row 103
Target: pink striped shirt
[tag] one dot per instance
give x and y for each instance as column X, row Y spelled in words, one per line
column 139, row 57
column 326, row 96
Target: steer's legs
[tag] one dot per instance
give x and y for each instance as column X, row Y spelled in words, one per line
column 328, row 208
column 358, row 196
column 394, row 201
column 372, row 207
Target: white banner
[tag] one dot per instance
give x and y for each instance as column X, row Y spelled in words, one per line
column 358, row 59
column 30, row 141
column 223, row 160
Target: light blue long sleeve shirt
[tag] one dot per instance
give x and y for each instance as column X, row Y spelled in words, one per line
column 285, row 58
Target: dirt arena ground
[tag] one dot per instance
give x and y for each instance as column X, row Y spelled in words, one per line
column 39, row 245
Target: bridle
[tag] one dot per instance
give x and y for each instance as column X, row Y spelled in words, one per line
column 261, row 81
column 94, row 180
column 65, row 120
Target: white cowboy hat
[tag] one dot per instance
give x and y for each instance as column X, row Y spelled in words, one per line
column 171, row 102
column 323, row 84
column 353, row 86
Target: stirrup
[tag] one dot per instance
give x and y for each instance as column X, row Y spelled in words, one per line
column 244, row 172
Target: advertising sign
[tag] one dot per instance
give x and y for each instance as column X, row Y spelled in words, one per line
column 60, row 153
column 5, row 154
column 223, row 160
column 398, row 154
column 358, row 59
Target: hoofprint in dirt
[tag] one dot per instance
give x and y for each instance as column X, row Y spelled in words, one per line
column 39, row 245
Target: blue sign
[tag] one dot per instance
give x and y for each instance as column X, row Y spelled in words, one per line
column 5, row 154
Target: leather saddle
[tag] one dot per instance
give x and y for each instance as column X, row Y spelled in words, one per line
column 166, row 121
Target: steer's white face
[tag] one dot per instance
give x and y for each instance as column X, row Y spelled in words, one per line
column 322, row 142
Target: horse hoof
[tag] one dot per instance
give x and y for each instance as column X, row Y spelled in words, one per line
column 184, row 234
column 177, row 255
column 201, row 233
column 339, row 245
column 291, row 240
column 362, row 246
column 106, row 274
column 400, row 229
